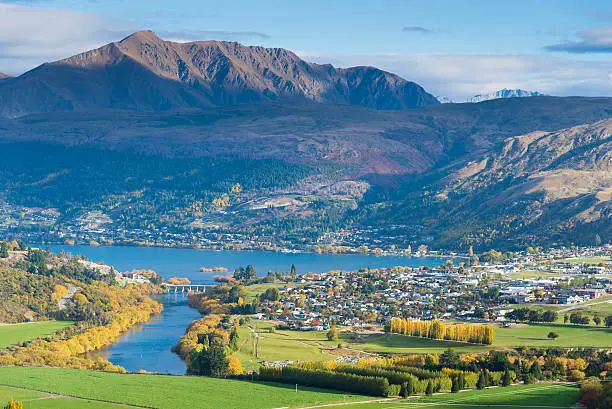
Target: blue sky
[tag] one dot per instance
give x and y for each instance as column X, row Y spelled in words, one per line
column 454, row 48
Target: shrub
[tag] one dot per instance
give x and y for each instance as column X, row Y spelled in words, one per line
column 507, row 380
column 575, row 375
column 333, row 333
column 368, row 385
column 13, row 405
column 395, row 390
column 407, row 388
column 429, row 389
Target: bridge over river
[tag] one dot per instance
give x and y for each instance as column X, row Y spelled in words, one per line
column 182, row 288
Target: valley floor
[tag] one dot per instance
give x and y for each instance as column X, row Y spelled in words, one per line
column 51, row 388
column 288, row 345
column 47, row 388
column 13, row 334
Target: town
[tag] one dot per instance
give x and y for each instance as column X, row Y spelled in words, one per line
column 469, row 291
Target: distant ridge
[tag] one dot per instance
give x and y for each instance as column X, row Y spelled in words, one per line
column 505, row 93
column 501, row 94
column 145, row 73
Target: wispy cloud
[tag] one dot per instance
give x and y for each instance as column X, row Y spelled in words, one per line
column 598, row 40
column 31, row 35
column 194, row 35
column 463, row 75
column 419, row 30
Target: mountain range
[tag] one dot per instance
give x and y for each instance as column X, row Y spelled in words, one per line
column 503, row 93
column 152, row 135
column 145, row 73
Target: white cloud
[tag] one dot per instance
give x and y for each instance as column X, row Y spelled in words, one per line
column 596, row 40
column 463, row 75
column 32, row 35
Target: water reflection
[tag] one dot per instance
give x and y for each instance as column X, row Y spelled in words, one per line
column 148, row 346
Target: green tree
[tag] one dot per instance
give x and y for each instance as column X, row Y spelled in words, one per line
column 536, row 370
column 234, row 339
column 271, row 294
column 429, row 390
column 4, row 250
column 208, row 362
column 237, row 292
column 482, row 380
column 407, row 388
column 553, row 335
column 333, row 333
column 597, row 320
column 455, row 385
column 250, row 272
column 507, row 379
column 461, row 381
column 293, row 271
column 449, row 359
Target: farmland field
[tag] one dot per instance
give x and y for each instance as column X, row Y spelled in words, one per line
column 519, row 396
column 16, row 333
column 155, row 391
column 524, row 335
column 42, row 400
column 282, row 345
column 314, row 346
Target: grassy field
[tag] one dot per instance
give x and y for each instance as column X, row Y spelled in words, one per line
column 524, row 335
column 16, row 333
column 588, row 260
column 281, row 345
column 42, row 400
column 155, row 391
column 601, row 306
column 518, row 396
column 253, row 291
column 314, row 346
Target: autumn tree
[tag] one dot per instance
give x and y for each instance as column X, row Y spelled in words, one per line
column 333, row 333
column 13, row 405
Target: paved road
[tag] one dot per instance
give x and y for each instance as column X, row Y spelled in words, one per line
column 577, row 306
column 63, row 303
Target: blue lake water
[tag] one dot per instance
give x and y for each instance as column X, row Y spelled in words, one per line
column 148, row 346
column 171, row 262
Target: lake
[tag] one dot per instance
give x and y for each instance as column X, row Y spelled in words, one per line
column 171, row 262
column 148, row 346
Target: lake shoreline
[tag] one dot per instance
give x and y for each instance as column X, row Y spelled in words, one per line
column 353, row 251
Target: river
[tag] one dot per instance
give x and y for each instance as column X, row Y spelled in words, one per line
column 148, row 346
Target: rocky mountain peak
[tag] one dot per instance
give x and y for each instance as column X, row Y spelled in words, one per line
column 146, row 73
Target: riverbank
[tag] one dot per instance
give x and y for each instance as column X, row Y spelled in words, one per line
column 147, row 347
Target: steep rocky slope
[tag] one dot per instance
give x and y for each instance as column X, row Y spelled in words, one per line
column 145, row 73
column 542, row 186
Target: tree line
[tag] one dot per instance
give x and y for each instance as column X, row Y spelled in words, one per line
column 472, row 333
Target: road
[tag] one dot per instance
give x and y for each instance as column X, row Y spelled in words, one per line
column 63, row 302
column 578, row 306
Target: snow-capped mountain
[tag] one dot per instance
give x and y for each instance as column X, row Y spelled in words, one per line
column 505, row 93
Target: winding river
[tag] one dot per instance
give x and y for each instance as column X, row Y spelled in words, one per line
column 147, row 347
